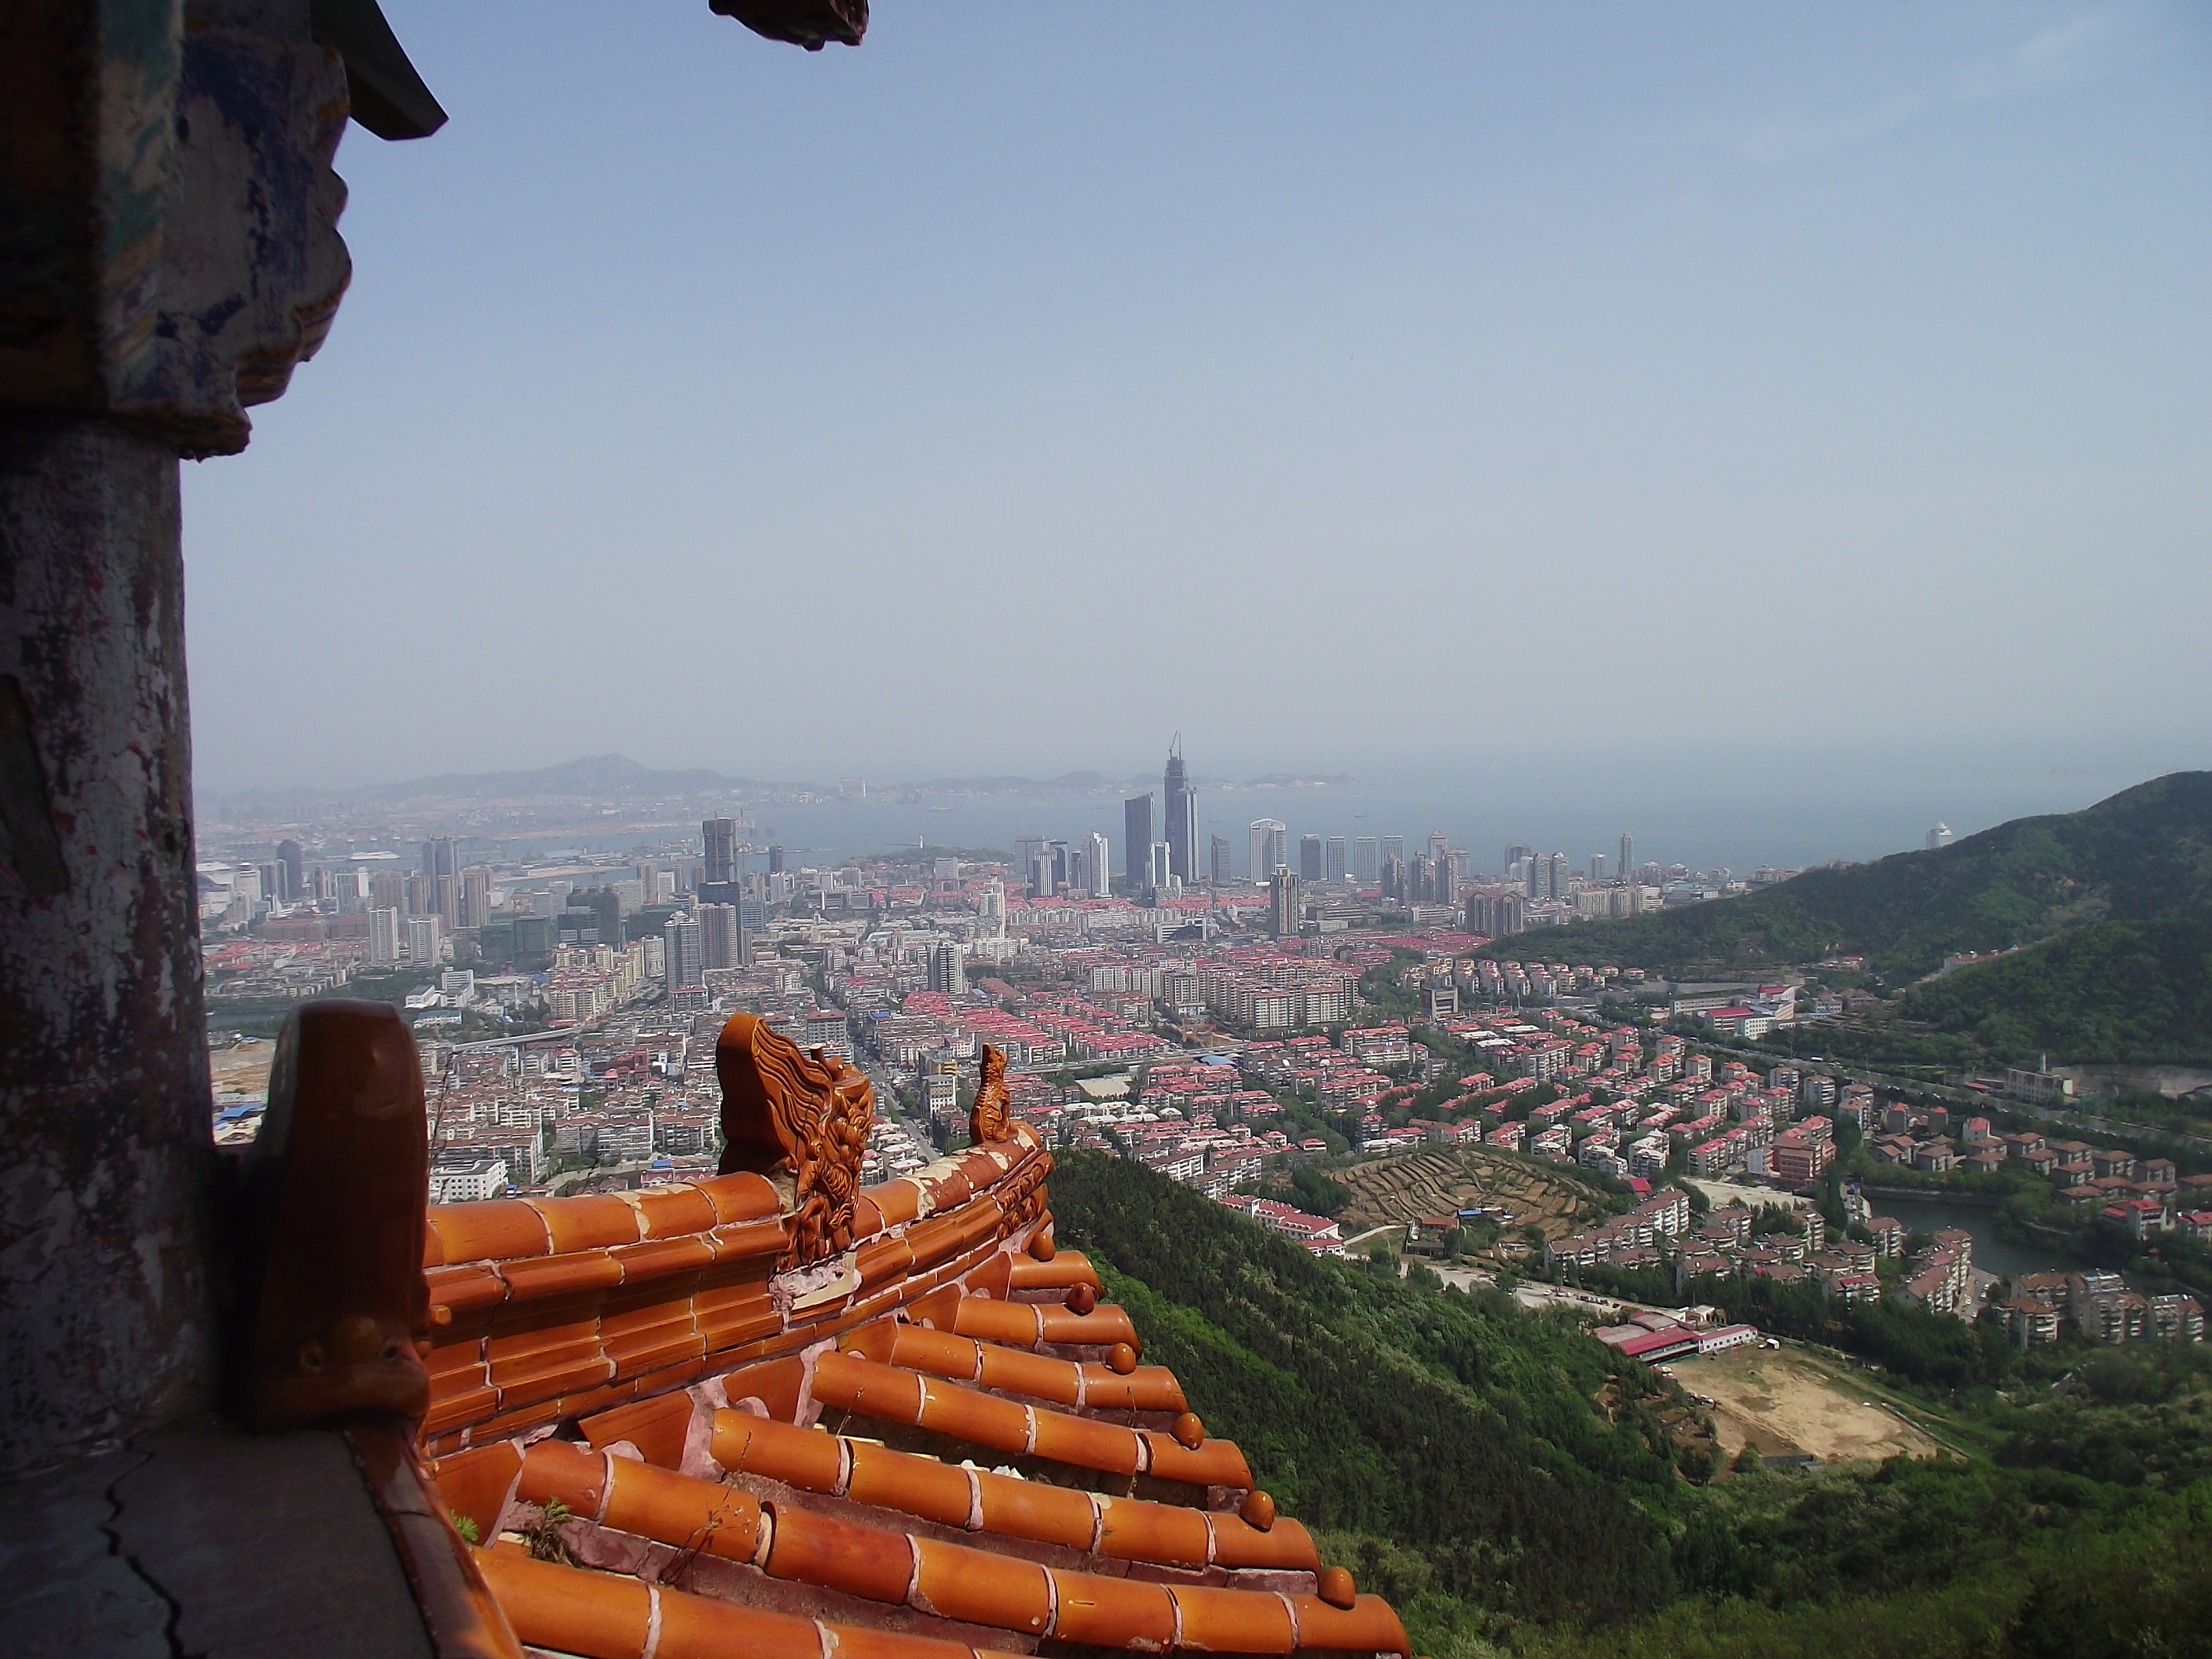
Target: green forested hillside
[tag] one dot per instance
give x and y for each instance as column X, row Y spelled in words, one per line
column 1504, row 1479
column 2136, row 992
column 2144, row 855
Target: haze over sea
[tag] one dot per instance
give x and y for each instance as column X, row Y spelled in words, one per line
column 1704, row 809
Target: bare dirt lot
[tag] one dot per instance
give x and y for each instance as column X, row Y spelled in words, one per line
column 1783, row 1401
column 242, row 1073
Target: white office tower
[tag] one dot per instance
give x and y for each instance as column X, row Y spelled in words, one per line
column 991, row 910
column 1939, row 836
column 1270, row 848
column 383, row 936
column 1099, row 865
column 1367, row 860
column 1333, row 858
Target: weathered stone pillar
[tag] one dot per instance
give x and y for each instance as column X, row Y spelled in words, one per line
column 104, row 1099
column 169, row 177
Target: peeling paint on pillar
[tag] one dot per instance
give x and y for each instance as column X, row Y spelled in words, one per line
column 105, row 1109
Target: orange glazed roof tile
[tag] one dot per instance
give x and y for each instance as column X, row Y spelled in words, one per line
column 933, row 1441
column 769, row 1413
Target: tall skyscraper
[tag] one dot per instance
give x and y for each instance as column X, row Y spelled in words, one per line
column 991, row 910
column 1517, row 853
column 1394, row 847
column 1394, row 878
column 1101, row 864
column 1439, row 844
column 1560, row 875
column 1182, row 815
column 1160, row 867
column 387, row 891
column 1224, row 870
column 1333, row 858
column 1627, row 856
column 1309, row 858
column 292, row 867
column 1367, row 860
column 719, row 838
column 1597, row 866
column 1283, row 917
column 1270, row 848
column 1136, row 841
column 775, row 860
column 449, row 901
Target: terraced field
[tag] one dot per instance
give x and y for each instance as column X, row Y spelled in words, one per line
column 1406, row 1186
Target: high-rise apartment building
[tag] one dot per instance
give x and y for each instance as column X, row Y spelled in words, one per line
column 1224, row 870
column 1627, row 856
column 384, row 934
column 475, row 895
column 1270, row 848
column 1182, row 815
column 722, row 941
column 991, row 910
column 1439, row 844
column 948, row 971
column 719, row 838
column 421, row 898
column 1309, row 858
column 1099, row 862
column 1159, row 869
column 1518, row 855
column 1283, row 910
column 1394, row 878
column 387, row 891
column 686, row 953
column 424, row 940
column 1394, row 847
column 1136, row 841
column 1334, row 859
column 1495, row 912
column 449, row 901
column 1597, row 866
column 775, row 860
column 1367, row 860
column 438, row 859
column 1562, row 873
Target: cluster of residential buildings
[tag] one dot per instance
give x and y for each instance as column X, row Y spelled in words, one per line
column 2100, row 1306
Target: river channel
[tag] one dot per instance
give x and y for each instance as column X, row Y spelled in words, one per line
column 1992, row 1254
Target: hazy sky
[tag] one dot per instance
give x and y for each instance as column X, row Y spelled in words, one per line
column 1351, row 388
